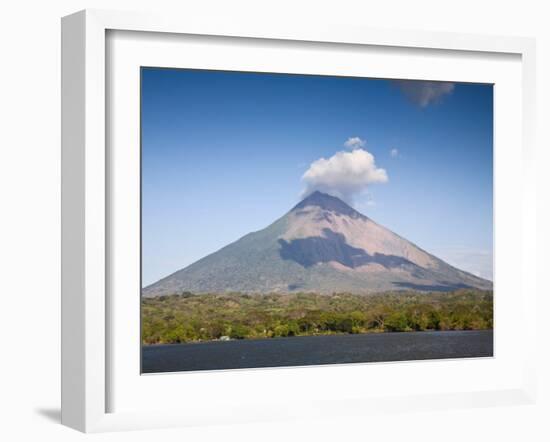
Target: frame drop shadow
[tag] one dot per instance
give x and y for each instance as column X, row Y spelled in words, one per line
column 51, row 414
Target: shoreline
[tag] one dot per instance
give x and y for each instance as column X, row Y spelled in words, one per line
column 277, row 338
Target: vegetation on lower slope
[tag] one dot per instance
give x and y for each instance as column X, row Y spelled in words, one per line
column 192, row 318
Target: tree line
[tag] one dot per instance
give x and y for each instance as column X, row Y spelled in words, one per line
column 189, row 317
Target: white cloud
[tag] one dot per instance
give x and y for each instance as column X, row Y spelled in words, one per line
column 354, row 143
column 345, row 174
column 394, row 153
column 424, row 93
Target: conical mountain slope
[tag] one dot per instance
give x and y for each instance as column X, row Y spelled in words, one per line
column 321, row 245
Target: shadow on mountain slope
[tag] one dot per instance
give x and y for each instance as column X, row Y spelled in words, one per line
column 333, row 247
column 444, row 287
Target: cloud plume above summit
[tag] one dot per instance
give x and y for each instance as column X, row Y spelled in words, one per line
column 346, row 174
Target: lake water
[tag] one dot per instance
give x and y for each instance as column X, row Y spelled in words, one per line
column 317, row 350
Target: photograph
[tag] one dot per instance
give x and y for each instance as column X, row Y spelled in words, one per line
column 301, row 220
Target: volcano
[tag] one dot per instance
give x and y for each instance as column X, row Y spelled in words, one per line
column 322, row 245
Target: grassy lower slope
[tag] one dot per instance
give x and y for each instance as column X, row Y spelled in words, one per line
column 192, row 318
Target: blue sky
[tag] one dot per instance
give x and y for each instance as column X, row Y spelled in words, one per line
column 224, row 153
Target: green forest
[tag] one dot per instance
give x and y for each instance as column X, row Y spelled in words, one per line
column 189, row 317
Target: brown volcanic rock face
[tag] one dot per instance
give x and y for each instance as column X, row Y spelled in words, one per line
column 314, row 220
column 321, row 245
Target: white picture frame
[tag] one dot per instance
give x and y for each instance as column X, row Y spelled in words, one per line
column 86, row 206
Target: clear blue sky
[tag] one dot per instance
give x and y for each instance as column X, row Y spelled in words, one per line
column 223, row 154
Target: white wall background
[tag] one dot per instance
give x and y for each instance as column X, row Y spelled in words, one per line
column 30, row 215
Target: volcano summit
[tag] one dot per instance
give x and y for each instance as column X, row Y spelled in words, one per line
column 322, row 245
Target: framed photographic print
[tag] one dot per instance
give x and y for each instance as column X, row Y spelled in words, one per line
column 251, row 213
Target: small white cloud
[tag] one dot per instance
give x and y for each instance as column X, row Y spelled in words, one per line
column 424, row 93
column 394, row 153
column 354, row 143
column 345, row 174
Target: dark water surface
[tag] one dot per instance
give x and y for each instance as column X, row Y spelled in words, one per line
column 317, row 350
